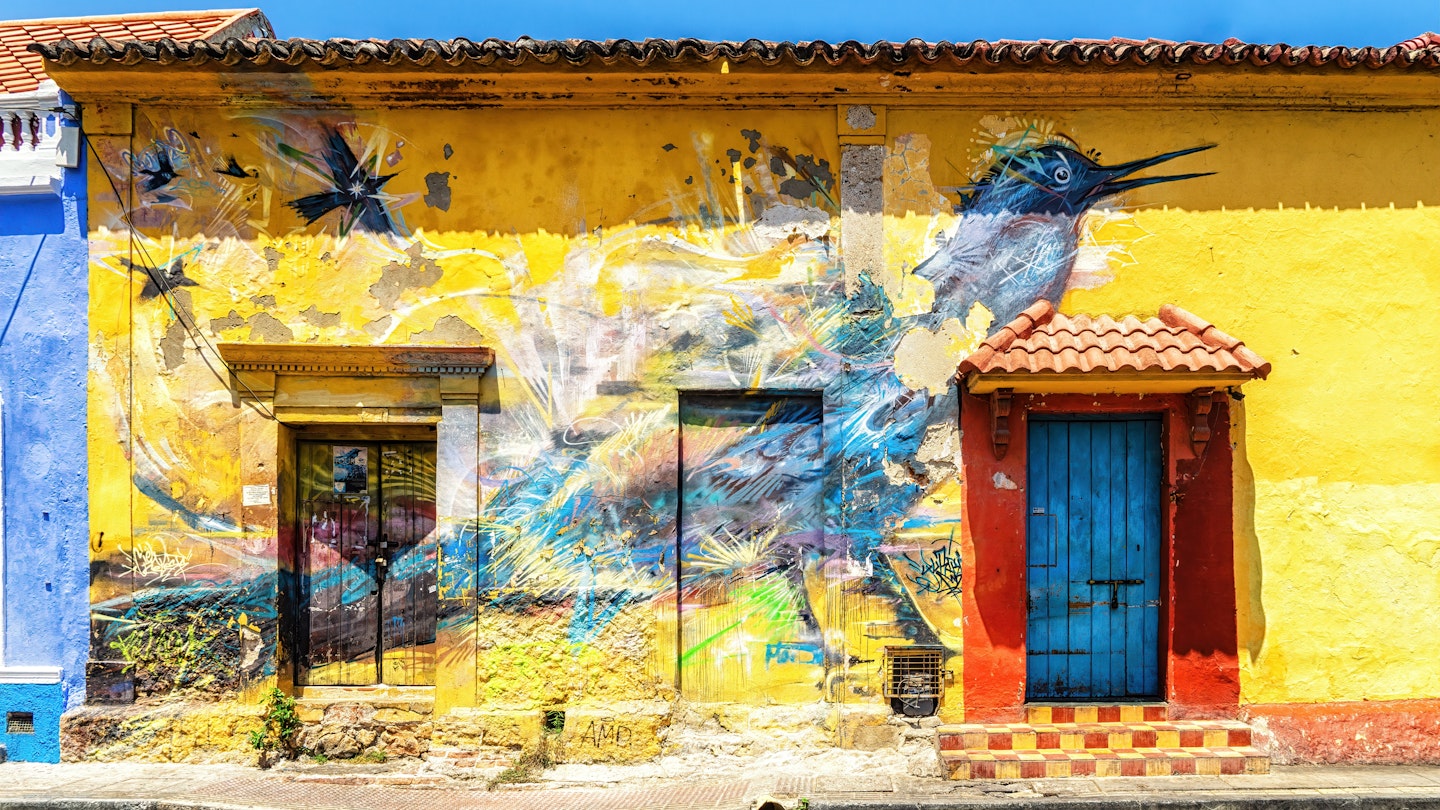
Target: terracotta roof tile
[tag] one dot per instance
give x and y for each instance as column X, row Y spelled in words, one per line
column 1043, row 341
column 1420, row 52
column 22, row 70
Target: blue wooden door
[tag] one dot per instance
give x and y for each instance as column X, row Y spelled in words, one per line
column 1093, row 559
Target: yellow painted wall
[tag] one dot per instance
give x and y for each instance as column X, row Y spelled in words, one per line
column 577, row 243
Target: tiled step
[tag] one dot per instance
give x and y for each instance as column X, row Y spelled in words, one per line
column 1088, row 736
column 1054, row 764
column 1095, row 712
column 1053, row 748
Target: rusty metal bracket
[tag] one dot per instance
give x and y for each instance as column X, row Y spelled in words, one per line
column 1000, row 421
column 1199, row 402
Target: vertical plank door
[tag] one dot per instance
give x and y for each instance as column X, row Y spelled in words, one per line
column 340, row 592
column 408, row 554
column 1093, row 537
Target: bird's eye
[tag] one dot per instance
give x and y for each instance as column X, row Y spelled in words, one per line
column 1062, row 175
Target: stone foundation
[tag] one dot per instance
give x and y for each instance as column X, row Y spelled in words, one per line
column 379, row 728
column 393, row 724
column 183, row 731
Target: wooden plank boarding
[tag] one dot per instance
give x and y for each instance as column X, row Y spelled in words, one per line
column 1093, row 541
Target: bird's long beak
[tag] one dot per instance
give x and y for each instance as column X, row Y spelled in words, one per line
column 1117, row 178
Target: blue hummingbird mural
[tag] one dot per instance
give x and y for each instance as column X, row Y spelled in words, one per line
column 1020, row 226
column 1015, row 244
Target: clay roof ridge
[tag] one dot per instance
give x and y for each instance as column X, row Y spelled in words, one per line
column 1037, row 314
column 22, row 65
column 1041, row 53
column 230, row 15
column 1212, row 336
column 1041, row 340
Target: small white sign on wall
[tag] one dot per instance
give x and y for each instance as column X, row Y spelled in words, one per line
column 255, row 495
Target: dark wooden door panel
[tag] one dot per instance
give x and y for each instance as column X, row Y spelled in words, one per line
column 407, row 540
column 367, row 605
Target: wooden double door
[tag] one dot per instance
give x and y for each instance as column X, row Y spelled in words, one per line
column 368, row 555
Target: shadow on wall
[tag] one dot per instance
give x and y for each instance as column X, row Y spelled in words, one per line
column 1249, row 572
column 42, row 214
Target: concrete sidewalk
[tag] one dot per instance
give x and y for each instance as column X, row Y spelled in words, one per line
column 402, row 786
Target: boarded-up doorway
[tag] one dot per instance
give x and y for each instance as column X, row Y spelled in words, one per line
column 751, row 526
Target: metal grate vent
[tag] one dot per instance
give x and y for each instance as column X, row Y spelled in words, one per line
column 19, row 723
column 914, row 680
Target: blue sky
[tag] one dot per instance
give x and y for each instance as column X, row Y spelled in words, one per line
column 1331, row 22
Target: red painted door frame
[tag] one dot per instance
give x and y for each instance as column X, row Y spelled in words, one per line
column 1199, row 661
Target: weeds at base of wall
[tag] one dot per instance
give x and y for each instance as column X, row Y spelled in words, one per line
column 529, row 765
column 279, row 726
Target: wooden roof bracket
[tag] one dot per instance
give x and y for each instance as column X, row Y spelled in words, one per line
column 1000, row 421
column 1198, row 403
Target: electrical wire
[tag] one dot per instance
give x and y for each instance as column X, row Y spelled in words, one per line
column 191, row 328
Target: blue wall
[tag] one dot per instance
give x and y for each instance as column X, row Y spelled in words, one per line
column 43, row 340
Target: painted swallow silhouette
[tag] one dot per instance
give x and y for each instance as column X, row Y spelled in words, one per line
column 161, row 175
column 354, row 189
column 160, row 280
column 233, row 168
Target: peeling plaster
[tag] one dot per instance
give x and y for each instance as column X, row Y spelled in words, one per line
column 266, row 327
column 172, row 346
column 322, row 319
column 450, row 330
column 940, row 451
column 860, row 116
column 396, row 278
column 928, row 360
column 781, row 222
column 862, row 201
column 231, row 321
column 437, row 190
column 378, row 327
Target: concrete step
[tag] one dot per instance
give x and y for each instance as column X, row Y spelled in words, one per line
column 447, row 757
column 1095, row 712
column 1089, row 736
column 1055, row 764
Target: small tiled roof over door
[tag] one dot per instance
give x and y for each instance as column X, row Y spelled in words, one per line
column 1042, row 347
column 22, row 71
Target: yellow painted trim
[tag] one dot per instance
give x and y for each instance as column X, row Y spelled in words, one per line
column 357, row 416
column 356, row 361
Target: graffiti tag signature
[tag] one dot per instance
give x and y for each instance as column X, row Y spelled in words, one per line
column 157, row 565
column 938, row 571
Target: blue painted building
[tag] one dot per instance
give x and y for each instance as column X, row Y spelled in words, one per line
column 44, row 295
column 44, row 528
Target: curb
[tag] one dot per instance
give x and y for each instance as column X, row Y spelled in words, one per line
column 1359, row 800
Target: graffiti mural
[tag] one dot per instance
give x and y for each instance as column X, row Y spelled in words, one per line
column 752, row 523
column 703, row 463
